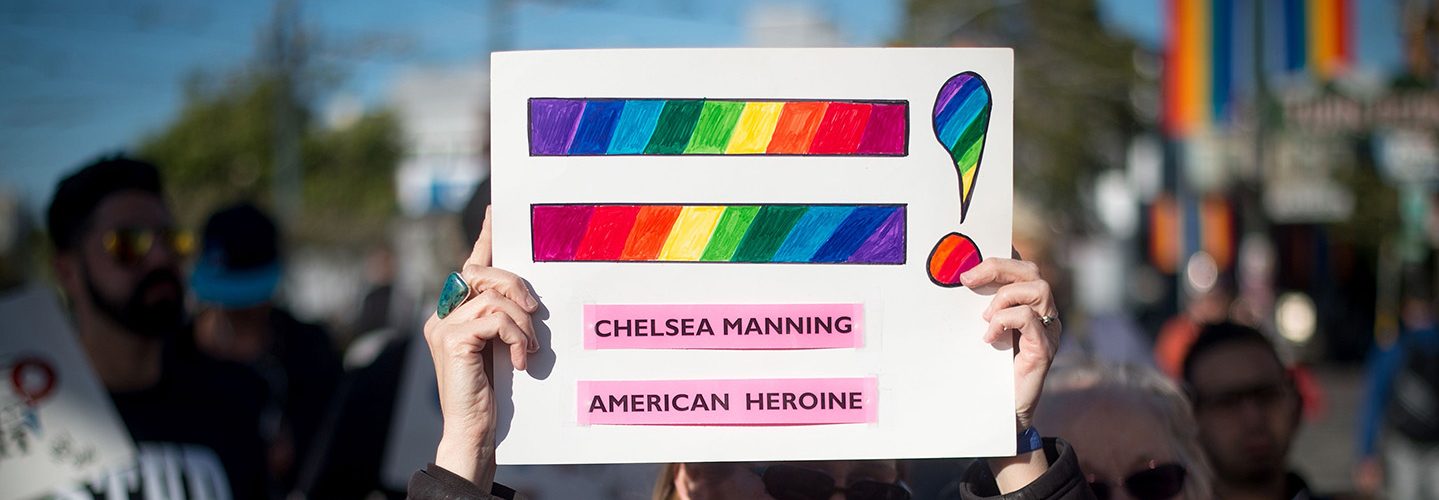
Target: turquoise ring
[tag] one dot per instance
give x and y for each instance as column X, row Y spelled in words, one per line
column 455, row 292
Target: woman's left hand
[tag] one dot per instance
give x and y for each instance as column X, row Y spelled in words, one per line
column 1023, row 303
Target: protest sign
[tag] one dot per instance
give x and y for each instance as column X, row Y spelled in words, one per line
column 57, row 424
column 753, row 254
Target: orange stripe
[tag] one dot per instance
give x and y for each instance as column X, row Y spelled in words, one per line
column 1321, row 37
column 936, row 263
column 796, row 127
column 652, row 228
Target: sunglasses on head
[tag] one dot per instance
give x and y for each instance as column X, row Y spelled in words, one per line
column 130, row 245
column 1158, row 482
column 787, row 482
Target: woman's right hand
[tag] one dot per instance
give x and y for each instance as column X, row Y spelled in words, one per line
column 498, row 310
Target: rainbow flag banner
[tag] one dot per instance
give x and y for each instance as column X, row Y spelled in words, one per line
column 610, row 127
column 771, row 233
column 1210, row 49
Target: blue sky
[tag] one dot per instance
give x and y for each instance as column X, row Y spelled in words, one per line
column 84, row 77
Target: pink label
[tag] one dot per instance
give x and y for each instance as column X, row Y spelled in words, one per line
column 795, row 401
column 711, row 326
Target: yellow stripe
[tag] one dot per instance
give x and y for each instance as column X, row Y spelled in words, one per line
column 1197, row 61
column 755, row 127
column 691, row 233
column 967, row 180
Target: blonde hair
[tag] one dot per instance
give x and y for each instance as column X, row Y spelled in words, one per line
column 1083, row 383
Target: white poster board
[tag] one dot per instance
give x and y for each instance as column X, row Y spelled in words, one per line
column 57, row 424
column 748, row 254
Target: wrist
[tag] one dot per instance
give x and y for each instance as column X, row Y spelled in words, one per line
column 469, row 456
column 1012, row 474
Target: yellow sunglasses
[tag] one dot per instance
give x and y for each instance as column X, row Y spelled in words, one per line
column 130, row 245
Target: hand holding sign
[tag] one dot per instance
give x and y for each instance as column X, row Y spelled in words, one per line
column 1023, row 303
column 499, row 312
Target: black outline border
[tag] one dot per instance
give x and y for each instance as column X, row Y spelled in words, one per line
column 903, row 239
column 530, row 120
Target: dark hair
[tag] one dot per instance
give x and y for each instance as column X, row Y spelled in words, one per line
column 1215, row 335
column 77, row 195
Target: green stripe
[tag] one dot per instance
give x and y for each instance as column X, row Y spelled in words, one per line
column 728, row 232
column 973, row 132
column 672, row 131
column 716, row 123
column 768, row 231
column 970, row 158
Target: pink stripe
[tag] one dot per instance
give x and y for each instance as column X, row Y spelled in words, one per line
column 885, row 132
column 798, row 401
column 709, row 326
column 556, row 230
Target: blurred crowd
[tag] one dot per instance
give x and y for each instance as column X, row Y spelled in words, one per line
column 229, row 395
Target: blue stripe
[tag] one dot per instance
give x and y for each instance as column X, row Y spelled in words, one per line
column 596, row 126
column 1296, row 35
column 812, row 231
column 973, row 104
column 636, row 124
column 852, row 233
column 1221, row 23
column 955, row 102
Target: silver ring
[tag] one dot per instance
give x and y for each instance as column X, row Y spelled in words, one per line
column 1048, row 320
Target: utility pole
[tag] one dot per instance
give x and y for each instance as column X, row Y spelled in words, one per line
column 286, row 61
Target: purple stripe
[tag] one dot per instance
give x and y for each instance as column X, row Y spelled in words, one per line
column 558, row 229
column 950, row 89
column 552, row 125
column 886, row 245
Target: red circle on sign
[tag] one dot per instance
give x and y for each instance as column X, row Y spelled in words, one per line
column 26, row 387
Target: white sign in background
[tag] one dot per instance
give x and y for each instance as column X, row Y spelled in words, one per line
column 57, row 425
column 942, row 392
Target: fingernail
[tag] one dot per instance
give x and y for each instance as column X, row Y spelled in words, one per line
column 534, row 347
column 530, row 302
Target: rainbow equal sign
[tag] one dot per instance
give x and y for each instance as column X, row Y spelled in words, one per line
column 606, row 127
column 777, row 233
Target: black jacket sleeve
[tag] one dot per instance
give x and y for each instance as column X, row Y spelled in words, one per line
column 1063, row 480
column 435, row 483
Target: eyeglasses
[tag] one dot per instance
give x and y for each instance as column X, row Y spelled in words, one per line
column 787, row 482
column 1158, row 482
column 130, row 245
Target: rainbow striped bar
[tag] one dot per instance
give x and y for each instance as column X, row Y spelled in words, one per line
column 607, row 127
column 805, row 234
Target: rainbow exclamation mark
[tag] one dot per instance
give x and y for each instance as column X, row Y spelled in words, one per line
column 961, row 120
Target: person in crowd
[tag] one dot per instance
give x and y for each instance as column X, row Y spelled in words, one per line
column 1248, row 409
column 1399, row 420
column 860, row 479
column 1179, row 332
column 196, row 420
column 497, row 313
column 1132, row 429
column 235, row 282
